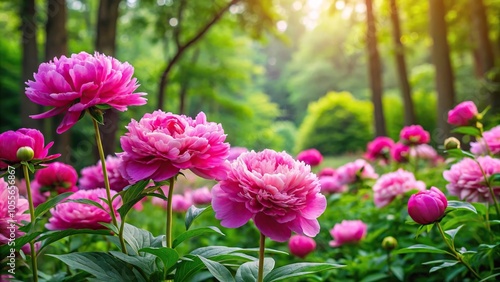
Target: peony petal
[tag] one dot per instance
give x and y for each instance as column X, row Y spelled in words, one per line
column 232, row 214
column 271, row 228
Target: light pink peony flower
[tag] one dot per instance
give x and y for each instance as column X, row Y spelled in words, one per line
column 400, row 152
column 92, row 177
column 355, row 171
column 311, row 157
column 467, row 182
column 427, row 206
column 301, row 246
column 332, row 184
column 393, row 184
column 348, row 231
column 280, row 194
column 414, row 135
column 379, row 148
column 463, row 114
column 201, row 196
column 424, row 152
column 72, row 215
column 11, row 141
column 327, row 171
column 235, row 152
column 161, row 144
column 73, row 85
column 58, row 177
column 489, row 142
column 181, row 202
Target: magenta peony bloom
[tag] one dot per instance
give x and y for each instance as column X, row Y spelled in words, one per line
column 202, row 196
column 348, row 231
column 161, row 144
column 427, row 206
column 327, row 171
column 280, row 194
column 38, row 195
column 400, row 152
column 463, row 114
column 414, row 135
column 58, row 177
column 355, row 171
column 489, row 142
column 92, row 177
column 301, row 246
column 393, row 184
column 311, row 157
column 467, row 182
column 379, row 148
column 332, row 184
column 11, row 141
column 72, row 215
column 181, row 202
column 235, row 152
column 73, row 85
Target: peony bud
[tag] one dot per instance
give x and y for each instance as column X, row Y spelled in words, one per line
column 427, row 206
column 301, row 245
column 25, row 153
column 389, row 243
column 451, row 143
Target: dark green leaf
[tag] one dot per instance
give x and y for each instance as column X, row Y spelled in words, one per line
column 219, row 271
column 194, row 212
column 459, row 153
column 187, row 268
column 97, row 115
column 212, row 251
column 375, row 277
column 50, row 237
column 454, row 205
column 145, row 263
column 140, row 238
column 110, row 226
column 103, row 106
column 19, row 243
column 130, row 196
column 298, row 269
column 490, row 277
column 453, row 232
column 398, row 272
column 248, row 271
column 467, row 130
column 168, row 256
column 44, row 207
column 421, row 248
column 195, row 232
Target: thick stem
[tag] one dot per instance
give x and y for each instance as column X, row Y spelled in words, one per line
column 262, row 248
column 169, row 213
column 34, row 267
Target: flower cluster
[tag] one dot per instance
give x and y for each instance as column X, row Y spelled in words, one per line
column 393, row 184
column 93, row 178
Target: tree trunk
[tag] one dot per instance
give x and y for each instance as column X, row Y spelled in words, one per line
column 409, row 112
column 29, row 63
column 185, row 85
column 106, row 43
column 56, row 44
column 442, row 64
column 375, row 71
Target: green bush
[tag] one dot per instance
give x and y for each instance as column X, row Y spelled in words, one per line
column 336, row 124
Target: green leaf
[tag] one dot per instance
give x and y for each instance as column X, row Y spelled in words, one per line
column 298, row 269
column 467, row 130
column 146, row 263
column 19, row 243
column 453, row 232
column 50, row 237
column 248, row 271
column 130, row 196
column 103, row 106
column 139, row 238
column 96, row 114
column 44, row 207
column 454, row 205
column 459, row 153
column 110, row 226
column 168, row 256
column 194, row 212
column 187, row 268
column 195, row 232
column 421, row 248
column 212, row 251
column 489, row 277
column 398, row 272
column 219, row 271
column 88, row 202
column 375, row 277
column 444, row 265
column 102, row 266
column 494, row 180
column 267, row 251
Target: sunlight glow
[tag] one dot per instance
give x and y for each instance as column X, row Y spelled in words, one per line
column 173, row 22
column 339, row 5
column 281, row 25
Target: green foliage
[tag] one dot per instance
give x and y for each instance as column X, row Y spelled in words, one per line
column 335, row 124
column 10, row 84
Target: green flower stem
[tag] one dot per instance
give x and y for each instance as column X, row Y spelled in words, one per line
column 120, row 236
column 457, row 255
column 389, row 262
column 262, row 248
column 169, row 213
column 106, row 183
column 34, row 267
column 493, row 196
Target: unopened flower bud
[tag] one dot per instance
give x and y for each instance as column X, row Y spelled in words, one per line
column 428, row 206
column 389, row 243
column 25, row 153
column 451, row 143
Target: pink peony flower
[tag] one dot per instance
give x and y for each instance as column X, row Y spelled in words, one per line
column 332, row 184
column 463, row 114
column 58, row 177
column 72, row 215
column 11, row 141
column 39, row 197
column 427, row 206
column 92, row 177
column 414, row 135
column 202, row 196
column 235, row 152
column 424, row 152
column 355, row 171
column 489, row 142
column 348, row 231
column 393, row 184
column 311, row 157
column 280, row 194
column 161, row 144
column 73, row 85
column 301, row 246
column 467, row 182
column 400, row 152
column 327, row 171
column 379, row 148
column 181, row 202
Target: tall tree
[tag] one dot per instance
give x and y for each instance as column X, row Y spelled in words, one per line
column 442, row 64
column 375, row 70
column 409, row 112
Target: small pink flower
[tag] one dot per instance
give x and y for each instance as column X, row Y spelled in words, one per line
column 301, row 246
column 332, row 184
column 424, row 152
column 427, row 206
column 414, row 135
column 379, row 148
column 400, row 152
column 466, row 180
column 393, row 184
column 181, row 202
column 161, row 144
column 58, row 177
column 348, row 231
column 463, row 114
column 92, row 177
column 72, row 215
column 327, row 171
column 235, row 152
column 311, row 157
column 201, row 196
column 280, row 194
column 489, row 142
column 354, row 171
column 11, row 141
column 73, row 85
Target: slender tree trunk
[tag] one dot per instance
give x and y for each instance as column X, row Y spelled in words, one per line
column 409, row 112
column 29, row 63
column 106, row 43
column 375, row 71
column 442, row 64
column 56, row 44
